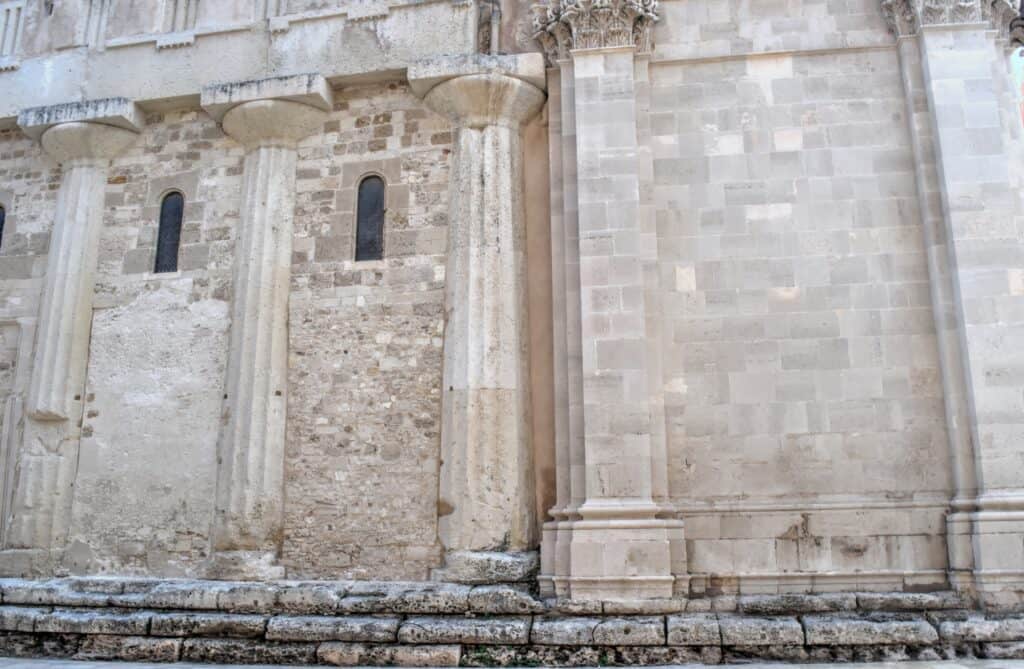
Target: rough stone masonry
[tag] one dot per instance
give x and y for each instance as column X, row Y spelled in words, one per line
column 489, row 332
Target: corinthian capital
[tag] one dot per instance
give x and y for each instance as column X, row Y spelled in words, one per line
column 563, row 25
column 904, row 17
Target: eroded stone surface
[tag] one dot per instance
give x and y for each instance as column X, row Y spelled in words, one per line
column 838, row 631
column 350, row 628
column 207, row 624
column 451, row 629
column 978, row 629
column 563, row 631
column 693, row 630
column 635, row 631
column 737, row 631
column 354, row 655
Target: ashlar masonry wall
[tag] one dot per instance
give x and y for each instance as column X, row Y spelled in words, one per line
column 804, row 401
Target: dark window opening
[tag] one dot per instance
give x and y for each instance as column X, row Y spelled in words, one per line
column 3, row 217
column 370, row 219
column 169, row 234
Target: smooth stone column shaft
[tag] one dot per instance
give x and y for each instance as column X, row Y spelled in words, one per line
column 487, row 487
column 250, row 485
column 48, row 451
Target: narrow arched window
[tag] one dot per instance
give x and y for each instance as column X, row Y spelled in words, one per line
column 3, row 217
column 370, row 219
column 169, row 234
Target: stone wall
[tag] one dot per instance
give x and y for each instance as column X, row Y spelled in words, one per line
column 804, row 406
column 145, row 485
column 366, row 340
column 365, row 344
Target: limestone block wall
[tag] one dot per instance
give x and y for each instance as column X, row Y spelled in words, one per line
column 365, row 344
column 804, row 403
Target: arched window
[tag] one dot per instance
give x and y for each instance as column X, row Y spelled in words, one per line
column 169, row 234
column 3, row 217
column 370, row 219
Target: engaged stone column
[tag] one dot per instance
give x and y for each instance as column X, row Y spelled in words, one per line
column 951, row 56
column 83, row 138
column 487, row 519
column 249, row 519
column 621, row 547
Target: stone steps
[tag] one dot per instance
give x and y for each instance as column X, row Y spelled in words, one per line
column 438, row 624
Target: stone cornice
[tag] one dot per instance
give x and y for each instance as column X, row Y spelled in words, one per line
column 561, row 26
column 905, row 17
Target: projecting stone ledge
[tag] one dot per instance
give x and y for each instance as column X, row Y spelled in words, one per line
column 349, row 623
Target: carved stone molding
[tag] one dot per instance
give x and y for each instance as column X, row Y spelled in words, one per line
column 563, row 25
column 900, row 16
column 904, row 17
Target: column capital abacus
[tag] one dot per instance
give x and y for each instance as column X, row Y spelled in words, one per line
column 562, row 26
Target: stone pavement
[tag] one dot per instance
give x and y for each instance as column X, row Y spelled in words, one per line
column 16, row 663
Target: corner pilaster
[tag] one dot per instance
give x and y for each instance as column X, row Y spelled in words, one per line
column 964, row 135
column 625, row 543
column 268, row 117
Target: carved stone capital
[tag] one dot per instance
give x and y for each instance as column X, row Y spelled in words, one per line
column 267, row 122
column 479, row 91
column 900, row 16
column 561, row 26
column 78, row 142
column 906, row 17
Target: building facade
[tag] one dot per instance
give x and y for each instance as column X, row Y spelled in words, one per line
column 621, row 299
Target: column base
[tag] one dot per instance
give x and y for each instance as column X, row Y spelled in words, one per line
column 625, row 559
column 25, row 563
column 245, row 566
column 488, row 567
column 986, row 549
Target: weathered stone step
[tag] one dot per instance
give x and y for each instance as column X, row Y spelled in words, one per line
column 362, row 623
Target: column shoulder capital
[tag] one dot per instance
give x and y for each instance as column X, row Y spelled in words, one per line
column 561, row 26
column 906, row 17
column 86, row 130
column 481, row 90
column 86, row 142
column 272, row 110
